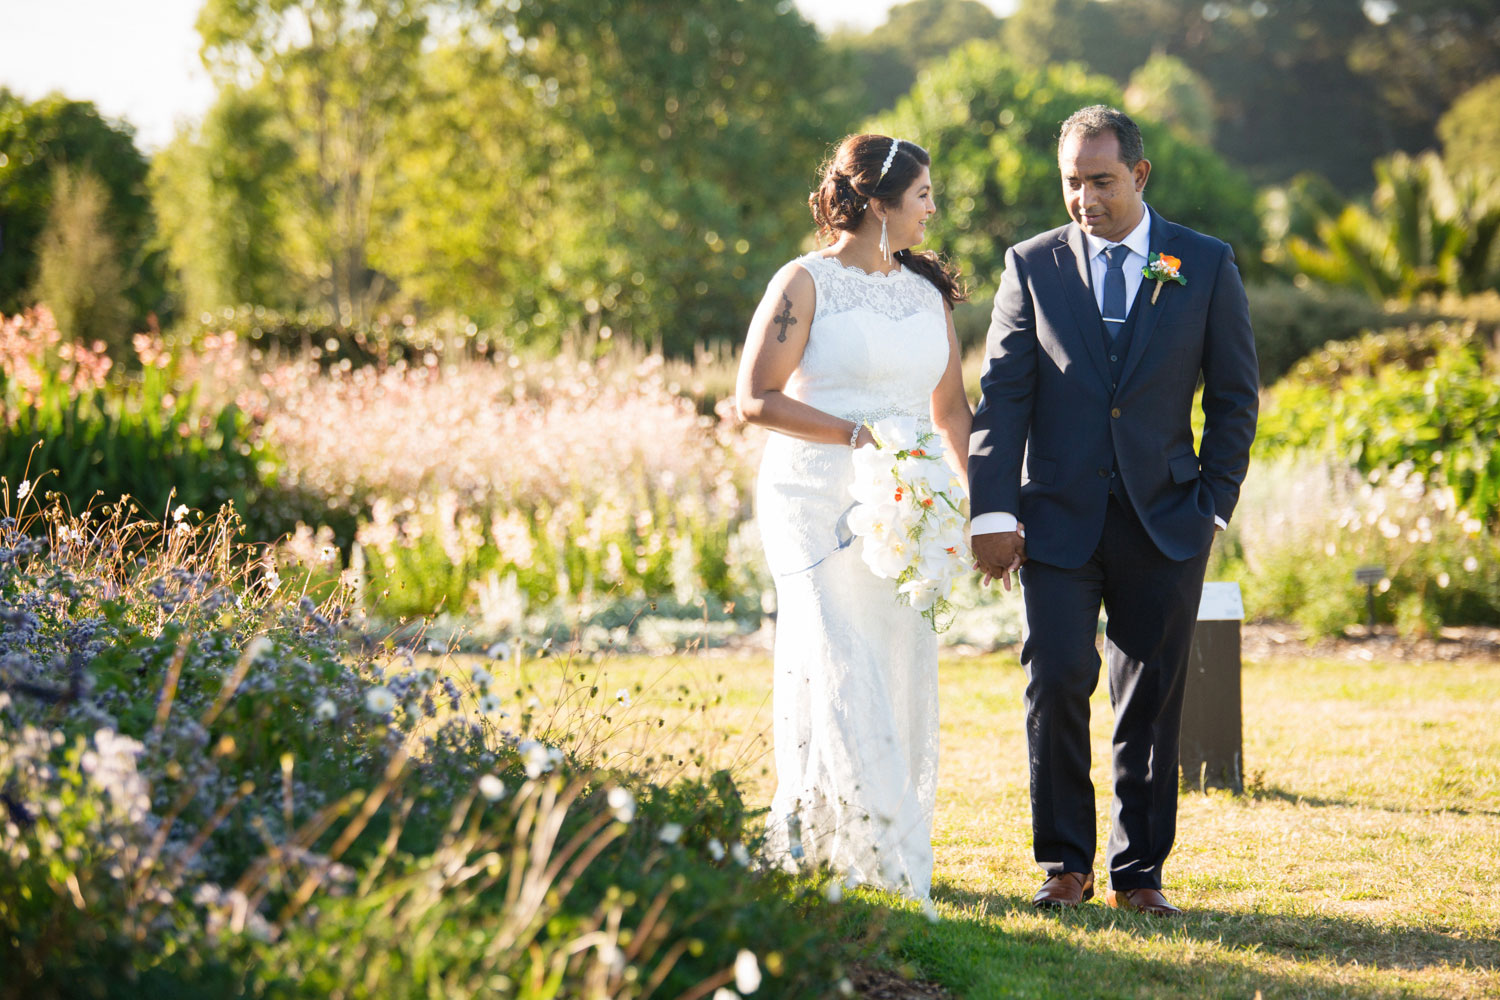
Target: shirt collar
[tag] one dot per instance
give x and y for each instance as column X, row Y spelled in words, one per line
column 1139, row 240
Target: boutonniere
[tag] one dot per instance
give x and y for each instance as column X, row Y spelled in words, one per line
column 1162, row 267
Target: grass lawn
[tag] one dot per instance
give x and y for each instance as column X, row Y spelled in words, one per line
column 1360, row 863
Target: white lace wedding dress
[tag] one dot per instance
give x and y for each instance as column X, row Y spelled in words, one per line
column 855, row 699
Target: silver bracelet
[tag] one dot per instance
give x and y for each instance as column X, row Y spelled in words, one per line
column 854, row 434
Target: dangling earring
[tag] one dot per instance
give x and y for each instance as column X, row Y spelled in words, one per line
column 885, row 243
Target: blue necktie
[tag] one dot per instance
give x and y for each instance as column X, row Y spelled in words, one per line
column 1114, row 289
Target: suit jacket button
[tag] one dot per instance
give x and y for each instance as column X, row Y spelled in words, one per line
column 1103, row 473
column 1115, row 412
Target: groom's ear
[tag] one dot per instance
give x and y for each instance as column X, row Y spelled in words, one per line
column 1140, row 173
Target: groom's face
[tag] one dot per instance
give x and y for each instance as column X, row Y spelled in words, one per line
column 1104, row 196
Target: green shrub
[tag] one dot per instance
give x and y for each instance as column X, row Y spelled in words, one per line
column 1292, row 322
column 1427, row 396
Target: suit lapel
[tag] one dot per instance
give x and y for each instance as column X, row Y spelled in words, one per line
column 1162, row 235
column 1072, row 258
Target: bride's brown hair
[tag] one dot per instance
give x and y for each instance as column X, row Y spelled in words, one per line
column 851, row 179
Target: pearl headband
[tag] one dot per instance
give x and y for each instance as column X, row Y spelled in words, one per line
column 889, row 157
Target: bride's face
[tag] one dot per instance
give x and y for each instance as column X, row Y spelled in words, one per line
column 906, row 221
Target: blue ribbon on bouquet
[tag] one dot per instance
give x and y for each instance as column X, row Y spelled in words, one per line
column 842, row 534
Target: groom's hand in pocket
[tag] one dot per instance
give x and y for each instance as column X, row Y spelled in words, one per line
column 999, row 554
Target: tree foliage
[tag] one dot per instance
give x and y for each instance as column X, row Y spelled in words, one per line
column 915, row 34
column 339, row 75
column 991, row 126
column 219, row 191
column 553, row 167
column 1167, row 90
column 1425, row 230
column 1287, row 74
column 1470, row 130
column 36, row 140
column 79, row 274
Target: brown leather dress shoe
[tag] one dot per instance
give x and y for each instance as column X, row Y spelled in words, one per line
column 1148, row 901
column 1062, row 891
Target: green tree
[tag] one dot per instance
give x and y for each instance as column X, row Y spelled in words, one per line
column 79, row 274
column 218, row 191
column 1040, row 32
column 915, row 34
column 991, row 126
column 1288, row 75
column 585, row 165
column 550, row 166
column 1166, row 89
column 1422, row 55
column 1425, row 230
column 38, row 138
column 1470, row 130
column 341, row 73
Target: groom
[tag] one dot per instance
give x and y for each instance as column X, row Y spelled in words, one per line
column 1084, row 433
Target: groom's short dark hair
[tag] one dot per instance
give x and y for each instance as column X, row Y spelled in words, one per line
column 1098, row 119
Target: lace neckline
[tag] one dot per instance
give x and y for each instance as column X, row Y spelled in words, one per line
column 877, row 275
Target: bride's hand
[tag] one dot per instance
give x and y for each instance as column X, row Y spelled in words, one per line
column 999, row 554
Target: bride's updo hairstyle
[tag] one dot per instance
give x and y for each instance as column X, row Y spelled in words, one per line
column 851, row 179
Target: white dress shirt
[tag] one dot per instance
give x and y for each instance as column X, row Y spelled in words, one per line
column 1139, row 242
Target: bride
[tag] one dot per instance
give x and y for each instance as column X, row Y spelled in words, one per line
column 845, row 336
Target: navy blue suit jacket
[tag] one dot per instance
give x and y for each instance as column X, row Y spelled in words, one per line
column 1048, row 412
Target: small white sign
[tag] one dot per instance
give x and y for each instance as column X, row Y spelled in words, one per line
column 1221, row 603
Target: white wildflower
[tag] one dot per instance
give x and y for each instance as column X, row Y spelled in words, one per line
column 499, row 651
column 489, row 704
column 259, row 647
column 623, row 804
column 538, row 758
column 716, row 849
column 725, row 993
column 1471, row 565
column 1443, row 579
column 746, row 971
column 380, row 700
column 739, row 854
column 24, row 490
column 623, row 697
column 479, row 677
column 180, row 513
column 326, row 709
column 670, row 833
column 846, row 988
column 492, row 788
column 834, row 891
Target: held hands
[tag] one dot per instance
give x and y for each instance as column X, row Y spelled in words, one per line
column 999, row 554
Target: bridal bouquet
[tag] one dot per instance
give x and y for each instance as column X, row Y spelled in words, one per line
column 911, row 513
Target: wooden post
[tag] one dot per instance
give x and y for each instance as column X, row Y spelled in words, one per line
column 1212, row 751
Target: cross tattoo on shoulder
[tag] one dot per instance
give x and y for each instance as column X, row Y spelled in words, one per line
column 784, row 318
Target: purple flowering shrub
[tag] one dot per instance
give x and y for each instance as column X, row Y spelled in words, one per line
column 212, row 785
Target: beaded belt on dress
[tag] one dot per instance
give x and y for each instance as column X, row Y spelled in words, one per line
column 870, row 416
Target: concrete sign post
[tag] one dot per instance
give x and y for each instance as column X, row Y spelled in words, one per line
column 1212, row 753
